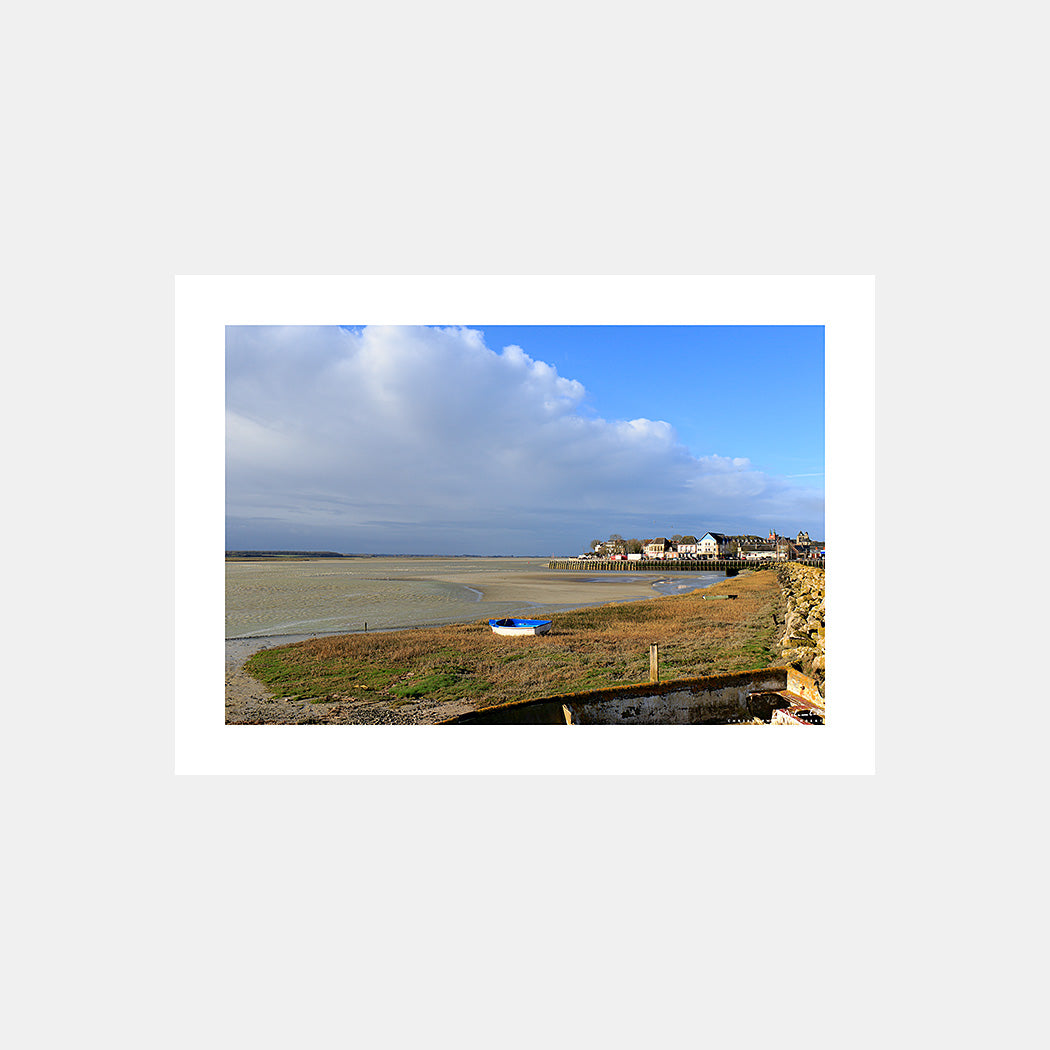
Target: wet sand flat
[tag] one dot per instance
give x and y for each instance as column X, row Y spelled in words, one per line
column 327, row 596
column 556, row 587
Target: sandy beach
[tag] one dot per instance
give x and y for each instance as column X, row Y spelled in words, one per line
column 248, row 701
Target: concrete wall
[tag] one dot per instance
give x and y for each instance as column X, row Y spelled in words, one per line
column 712, row 700
column 804, row 686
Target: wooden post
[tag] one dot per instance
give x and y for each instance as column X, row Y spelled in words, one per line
column 568, row 715
column 654, row 668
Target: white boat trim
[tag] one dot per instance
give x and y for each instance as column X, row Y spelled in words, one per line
column 518, row 627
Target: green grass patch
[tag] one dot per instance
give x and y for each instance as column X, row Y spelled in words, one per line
column 433, row 683
column 283, row 670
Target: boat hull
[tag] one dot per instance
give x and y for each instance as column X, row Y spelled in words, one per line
column 519, row 628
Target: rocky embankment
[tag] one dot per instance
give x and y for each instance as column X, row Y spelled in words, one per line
column 802, row 643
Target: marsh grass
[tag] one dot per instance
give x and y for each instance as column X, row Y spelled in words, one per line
column 586, row 649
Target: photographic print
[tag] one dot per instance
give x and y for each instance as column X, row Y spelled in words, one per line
column 561, row 524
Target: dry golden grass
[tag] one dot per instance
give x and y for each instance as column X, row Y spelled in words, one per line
column 586, row 649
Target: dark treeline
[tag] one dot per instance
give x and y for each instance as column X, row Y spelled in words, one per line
column 283, row 554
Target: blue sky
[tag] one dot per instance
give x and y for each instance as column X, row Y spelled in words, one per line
column 529, row 440
column 722, row 387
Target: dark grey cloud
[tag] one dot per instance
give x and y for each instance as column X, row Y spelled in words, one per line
column 426, row 440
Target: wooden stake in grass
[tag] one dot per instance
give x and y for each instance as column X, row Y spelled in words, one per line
column 654, row 668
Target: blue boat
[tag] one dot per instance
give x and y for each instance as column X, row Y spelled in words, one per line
column 520, row 627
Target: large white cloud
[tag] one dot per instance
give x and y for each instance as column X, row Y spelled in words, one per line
column 425, row 439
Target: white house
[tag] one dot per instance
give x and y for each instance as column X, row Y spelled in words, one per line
column 688, row 546
column 713, row 545
column 759, row 552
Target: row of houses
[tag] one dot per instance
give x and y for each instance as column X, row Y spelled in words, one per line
column 716, row 545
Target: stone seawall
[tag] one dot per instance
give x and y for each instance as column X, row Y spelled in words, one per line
column 802, row 643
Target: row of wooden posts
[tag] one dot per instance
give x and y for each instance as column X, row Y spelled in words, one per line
column 669, row 564
column 651, row 565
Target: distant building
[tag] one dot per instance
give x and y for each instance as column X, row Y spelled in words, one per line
column 759, row 552
column 657, row 548
column 713, row 545
column 688, row 546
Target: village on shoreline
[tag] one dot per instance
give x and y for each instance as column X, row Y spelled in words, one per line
column 712, row 546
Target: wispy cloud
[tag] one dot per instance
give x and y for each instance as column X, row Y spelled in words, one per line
column 426, row 439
